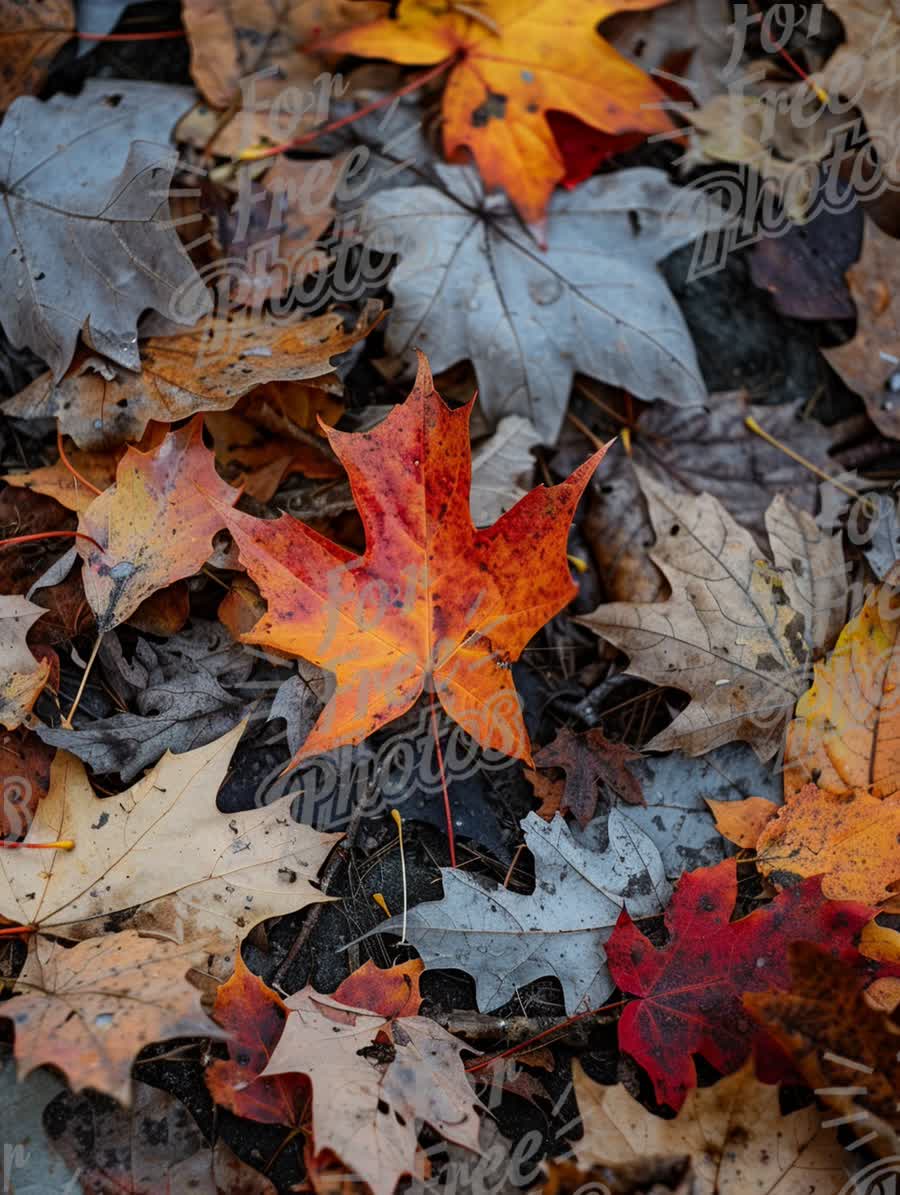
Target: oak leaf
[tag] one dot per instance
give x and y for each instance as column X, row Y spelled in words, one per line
column 22, row 677
column 163, row 853
column 690, row 990
column 424, row 1081
column 432, row 603
column 206, row 369
column 90, row 1009
column 472, row 284
column 85, row 228
column 866, row 363
column 153, row 527
column 510, row 66
column 506, row 939
column 737, row 633
column 30, row 35
column 732, row 1134
column 847, row 1051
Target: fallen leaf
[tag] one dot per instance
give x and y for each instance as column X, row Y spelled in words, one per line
column 842, row 738
column 24, row 779
column 868, row 363
column 882, row 547
column 589, row 760
column 164, row 853
column 391, row 992
column 691, row 40
column 23, row 677
column 85, row 225
column 733, row 1134
column 864, row 70
column 677, row 790
column 546, row 790
column 583, row 149
column 506, row 939
column 690, row 990
column 850, row 841
column 32, row 33
column 701, row 450
column 737, row 633
column 125, row 991
column 423, row 1081
column 23, row 1105
column 431, row 600
column 742, row 822
column 153, row 527
column 846, row 1051
column 59, row 483
column 254, row 1016
column 510, row 67
column 206, row 369
column 151, row 1148
column 477, row 287
column 502, row 468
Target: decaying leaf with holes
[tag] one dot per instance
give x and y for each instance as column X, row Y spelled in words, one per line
column 22, row 677
column 125, row 991
column 432, row 602
column 358, row 1062
column 737, row 633
column 206, row 369
column 163, row 854
column 153, row 527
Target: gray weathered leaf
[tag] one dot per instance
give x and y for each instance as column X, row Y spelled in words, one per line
column 501, row 469
column 737, row 634
column 84, row 231
column 507, row 939
column 179, row 701
column 472, row 284
column 883, row 547
column 676, row 817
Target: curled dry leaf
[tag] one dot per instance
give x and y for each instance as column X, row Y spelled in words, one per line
column 153, row 1147
column 737, row 633
column 30, row 35
column 206, row 369
column 472, row 284
column 690, row 990
column 506, row 939
column 21, row 676
column 727, row 1133
column 163, row 853
column 153, row 527
column 423, row 1081
column 85, row 228
column 91, row 1008
column 510, row 66
column 432, row 601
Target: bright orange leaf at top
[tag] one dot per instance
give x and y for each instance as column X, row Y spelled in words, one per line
column 514, row 62
column 433, row 605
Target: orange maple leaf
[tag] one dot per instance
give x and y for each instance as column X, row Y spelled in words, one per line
column 514, row 63
column 433, row 604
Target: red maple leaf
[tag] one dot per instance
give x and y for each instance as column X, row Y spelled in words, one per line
column 691, row 989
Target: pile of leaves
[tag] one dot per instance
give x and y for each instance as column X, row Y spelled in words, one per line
column 406, row 790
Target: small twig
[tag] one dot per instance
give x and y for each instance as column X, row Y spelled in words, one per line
column 67, row 721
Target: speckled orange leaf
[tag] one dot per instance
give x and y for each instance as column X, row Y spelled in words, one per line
column 254, row 1017
column 516, row 62
column 393, row 992
column 433, row 604
column 846, row 734
column 742, row 822
column 851, row 841
column 155, row 525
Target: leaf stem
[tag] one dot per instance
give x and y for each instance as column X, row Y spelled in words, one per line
column 451, row 838
column 395, row 814
column 71, row 468
column 751, row 425
column 67, row 721
column 64, row 844
column 526, row 1045
column 30, row 539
